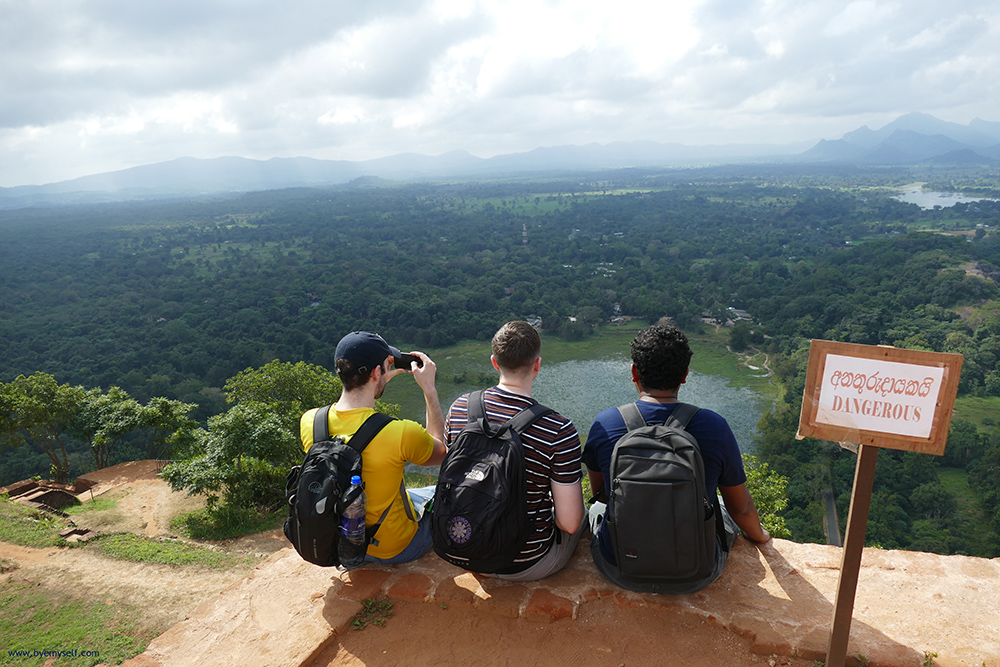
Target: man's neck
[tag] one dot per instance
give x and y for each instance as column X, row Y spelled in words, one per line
column 352, row 400
column 515, row 385
column 658, row 395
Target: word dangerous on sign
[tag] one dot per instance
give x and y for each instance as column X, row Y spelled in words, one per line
column 874, row 395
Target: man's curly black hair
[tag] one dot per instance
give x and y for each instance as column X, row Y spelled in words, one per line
column 661, row 356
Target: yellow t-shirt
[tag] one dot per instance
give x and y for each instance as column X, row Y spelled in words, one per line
column 382, row 464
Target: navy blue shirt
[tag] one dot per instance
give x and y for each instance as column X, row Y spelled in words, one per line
column 719, row 450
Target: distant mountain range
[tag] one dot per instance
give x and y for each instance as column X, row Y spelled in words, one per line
column 915, row 138
column 185, row 177
column 911, row 139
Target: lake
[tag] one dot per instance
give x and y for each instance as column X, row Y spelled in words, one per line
column 929, row 199
column 581, row 389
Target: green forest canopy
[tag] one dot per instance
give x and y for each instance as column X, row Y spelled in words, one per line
column 173, row 298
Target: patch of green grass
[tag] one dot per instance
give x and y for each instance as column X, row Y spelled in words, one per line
column 747, row 369
column 980, row 410
column 138, row 549
column 36, row 619
column 225, row 522
column 29, row 527
column 588, row 492
column 607, row 341
column 374, row 611
column 415, row 480
column 95, row 505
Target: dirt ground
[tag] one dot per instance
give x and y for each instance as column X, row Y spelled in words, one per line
column 416, row 634
column 165, row 594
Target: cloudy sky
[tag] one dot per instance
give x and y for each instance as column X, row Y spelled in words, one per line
column 88, row 86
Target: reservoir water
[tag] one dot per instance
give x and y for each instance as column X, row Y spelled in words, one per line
column 581, row 389
column 928, row 199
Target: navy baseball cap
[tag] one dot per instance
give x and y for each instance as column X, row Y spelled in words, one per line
column 365, row 350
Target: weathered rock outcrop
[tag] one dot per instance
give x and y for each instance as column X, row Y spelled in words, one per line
column 780, row 596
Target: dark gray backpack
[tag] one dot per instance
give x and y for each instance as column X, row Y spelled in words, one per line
column 661, row 522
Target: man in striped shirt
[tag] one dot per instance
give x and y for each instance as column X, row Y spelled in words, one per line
column 551, row 454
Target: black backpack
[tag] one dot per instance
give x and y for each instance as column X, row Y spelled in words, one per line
column 479, row 517
column 317, row 490
column 661, row 522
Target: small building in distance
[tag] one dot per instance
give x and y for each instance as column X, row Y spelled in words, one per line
column 740, row 315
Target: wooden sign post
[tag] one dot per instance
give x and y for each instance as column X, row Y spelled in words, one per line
column 873, row 397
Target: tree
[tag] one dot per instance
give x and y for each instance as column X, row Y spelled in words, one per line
column 244, row 455
column 243, row 459
column 104, row 419
column 965, row 444
column 38, row 410
column 932, row 501
column 739, row 336
column 769, row 492
column 167, row 423
column 288, row 389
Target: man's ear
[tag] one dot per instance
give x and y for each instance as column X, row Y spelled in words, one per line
column 685, row 376
column 493, row 360
column 635, row 374
column 385, row 367
column 537, row 365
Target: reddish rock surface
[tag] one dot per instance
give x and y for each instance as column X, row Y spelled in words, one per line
column 778, row 598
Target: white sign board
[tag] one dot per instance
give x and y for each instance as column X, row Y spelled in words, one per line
column 872, row 395
column 883, row 396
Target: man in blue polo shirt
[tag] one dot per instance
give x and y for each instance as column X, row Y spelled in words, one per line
column 660, row 361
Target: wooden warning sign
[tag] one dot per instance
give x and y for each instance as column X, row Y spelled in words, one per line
column 873, row 397
column 881, row 396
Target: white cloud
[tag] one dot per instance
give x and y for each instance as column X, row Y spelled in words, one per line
column 108, row 84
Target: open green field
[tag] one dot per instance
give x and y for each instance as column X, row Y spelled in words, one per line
column 983, row 411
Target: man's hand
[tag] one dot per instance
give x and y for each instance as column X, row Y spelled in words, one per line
column 393, row 372
column 741, row 508
column 424, row 375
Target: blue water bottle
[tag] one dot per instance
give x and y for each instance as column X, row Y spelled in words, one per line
column 351, row 547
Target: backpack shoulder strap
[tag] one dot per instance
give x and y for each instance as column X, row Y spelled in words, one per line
column 682, row 415
column 364, row 435
column 476, row 405
column 369, row 429
column 321, row 424
column 680, row 418
column 375, row 423
column 633, row 418
column 528, row 416
column 519, row 422
column 476, row 412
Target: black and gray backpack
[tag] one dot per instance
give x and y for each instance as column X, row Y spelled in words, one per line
column 317, row 490
column 661, row 522
column 479, row 516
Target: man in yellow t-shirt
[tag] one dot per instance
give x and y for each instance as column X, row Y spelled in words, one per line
column 364, row 363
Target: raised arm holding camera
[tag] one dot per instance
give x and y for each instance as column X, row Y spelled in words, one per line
column 364, row 364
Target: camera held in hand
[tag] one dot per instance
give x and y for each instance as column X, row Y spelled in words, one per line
column 403, row 361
